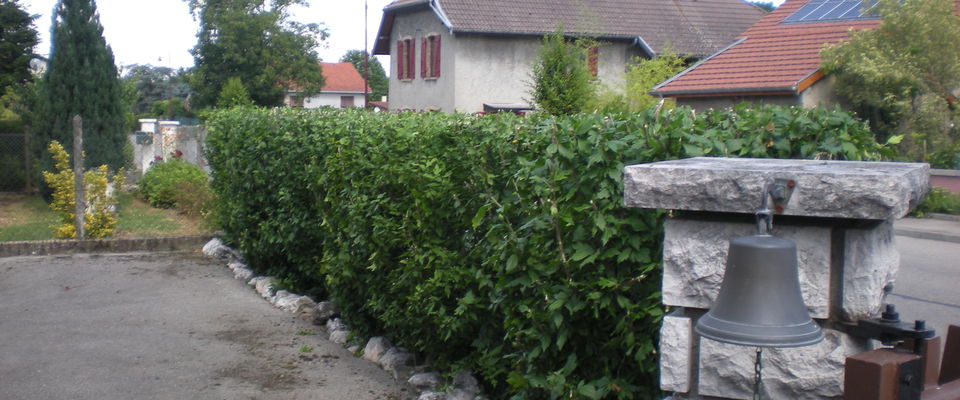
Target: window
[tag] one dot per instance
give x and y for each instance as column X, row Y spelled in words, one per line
column 406, row 50
column 430, row 57
column 346, row 101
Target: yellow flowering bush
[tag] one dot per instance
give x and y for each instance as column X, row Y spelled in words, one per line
column 101, row 215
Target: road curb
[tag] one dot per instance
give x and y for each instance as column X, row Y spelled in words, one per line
column 54, row 247
column 943, row 237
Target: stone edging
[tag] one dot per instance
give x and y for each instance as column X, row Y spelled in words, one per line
column 397, row 361
column 54, row 247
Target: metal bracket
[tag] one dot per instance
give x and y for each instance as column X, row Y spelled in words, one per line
column 779, row 190
column 889, row 330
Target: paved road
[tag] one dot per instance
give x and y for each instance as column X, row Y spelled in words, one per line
column 161, row 326
column 928, row 285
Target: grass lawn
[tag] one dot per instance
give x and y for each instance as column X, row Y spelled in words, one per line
column 29, row 218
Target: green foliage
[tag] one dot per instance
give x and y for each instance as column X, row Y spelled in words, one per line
column 161, row 184
column 101, row 215
column 560, row 77
column 234, row 94
column 254, row 41
column 17, row 40
column 904, row 75
column 765, row 5
column 939, row 200
column 157, row 84
column 81, row 79
column 498, row 244
column 642, row 75
column 379, row 84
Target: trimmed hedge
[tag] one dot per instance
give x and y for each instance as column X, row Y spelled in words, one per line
column 160, row 185
column 498, row 244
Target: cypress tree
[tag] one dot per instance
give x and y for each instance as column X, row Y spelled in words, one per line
column 81, row 79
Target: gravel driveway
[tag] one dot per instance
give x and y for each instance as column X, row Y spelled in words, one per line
column 162, row 326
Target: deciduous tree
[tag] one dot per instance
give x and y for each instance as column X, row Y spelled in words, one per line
column 904, row 76
column 379, row 85
column 254, row 41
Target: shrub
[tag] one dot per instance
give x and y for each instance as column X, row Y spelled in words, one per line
column 498, row 244
column 939, row 200
column 101, row 213
column 160, row 184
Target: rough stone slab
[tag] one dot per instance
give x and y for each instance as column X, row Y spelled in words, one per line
column 398, row 362
column 217, row 249
column 695, row 257
column 871, row 261
column 812, row 372
column 335, row 325
column 426, row 380
column 325, row 310
column 341, row 337
column 240, row 270
column 836, row 189
column 676, row 347
column 432, row 396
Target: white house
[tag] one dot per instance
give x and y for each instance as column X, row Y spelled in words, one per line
column 468, row 55
column 343, row 87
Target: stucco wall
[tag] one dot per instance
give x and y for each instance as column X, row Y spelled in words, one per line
column 421, row 93
column 705, row 103
column 820, row 94
column 331, row 100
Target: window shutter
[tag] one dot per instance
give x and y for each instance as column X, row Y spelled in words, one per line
column 423, row 58
column 400, row 60
column 436, row 56
column 411, row 59
column 593, row 58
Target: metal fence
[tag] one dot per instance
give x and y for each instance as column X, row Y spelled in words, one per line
column 14, row 162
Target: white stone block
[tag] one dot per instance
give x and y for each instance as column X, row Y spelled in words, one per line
column 695, row 257
column 871, row 261
column 812, row 372
column 676, row 349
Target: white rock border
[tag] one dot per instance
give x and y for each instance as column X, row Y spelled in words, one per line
column 399, row 362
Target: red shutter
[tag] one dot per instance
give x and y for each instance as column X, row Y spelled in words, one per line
column 593, row 57
column 423, row 58
column 411, row 59
column 436, row 56
column 400, row 60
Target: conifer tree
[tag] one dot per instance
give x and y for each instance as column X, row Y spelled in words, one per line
column 81, row 79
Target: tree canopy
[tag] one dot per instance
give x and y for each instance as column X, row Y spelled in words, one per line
column 379, row 84
column 253, row 41
column 81, row 79
column 155, row 84
column 561, row 80
column 904, row 76
column 17, row 39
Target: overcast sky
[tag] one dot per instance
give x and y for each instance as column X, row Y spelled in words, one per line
column 162, row 32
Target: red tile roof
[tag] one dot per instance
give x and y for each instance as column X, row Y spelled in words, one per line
column 768, row 58
column 341, row 77
column 696, row 27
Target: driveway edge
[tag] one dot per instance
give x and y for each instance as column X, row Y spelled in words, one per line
column 54, row 247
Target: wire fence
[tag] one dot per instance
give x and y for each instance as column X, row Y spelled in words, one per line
column 14, row 162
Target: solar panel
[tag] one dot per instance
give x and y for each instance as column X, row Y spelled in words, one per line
column 832, row 11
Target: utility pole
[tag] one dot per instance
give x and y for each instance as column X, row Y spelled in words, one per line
column 366, row 59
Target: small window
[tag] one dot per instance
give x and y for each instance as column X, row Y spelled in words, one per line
column 346, row 101
column 430, row 57
column 406, row 50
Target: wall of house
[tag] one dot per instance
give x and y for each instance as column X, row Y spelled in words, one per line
column 420, row 93
column 820, row 94
column 331, row 100
column 706, row 103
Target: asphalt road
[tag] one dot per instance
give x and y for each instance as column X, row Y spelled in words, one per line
column 162, row 326
column 928, row 284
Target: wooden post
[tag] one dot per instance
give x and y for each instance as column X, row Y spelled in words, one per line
column 80, row 201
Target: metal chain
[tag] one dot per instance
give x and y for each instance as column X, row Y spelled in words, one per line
column 758, row 370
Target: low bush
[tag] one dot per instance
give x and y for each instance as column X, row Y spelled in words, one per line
column 498, row 244
column 101, row 203
column 939, row 200
column 161, row 184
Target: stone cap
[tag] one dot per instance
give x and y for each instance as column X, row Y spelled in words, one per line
column 832, row 189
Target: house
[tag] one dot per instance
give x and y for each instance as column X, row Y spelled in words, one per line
column 776, row 61
column 343, row 87
column 469, row 55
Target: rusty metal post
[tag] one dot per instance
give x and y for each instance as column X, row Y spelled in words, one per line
column 79, row 199
column 883, row 374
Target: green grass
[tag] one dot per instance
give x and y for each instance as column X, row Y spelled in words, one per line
column 30, row 218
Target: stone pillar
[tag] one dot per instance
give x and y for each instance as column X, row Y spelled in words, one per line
column 841, row 217
column 169, row 132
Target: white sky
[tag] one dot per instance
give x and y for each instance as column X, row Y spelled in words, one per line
column 162, row 32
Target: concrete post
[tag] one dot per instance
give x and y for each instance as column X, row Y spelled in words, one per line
column 841, row 217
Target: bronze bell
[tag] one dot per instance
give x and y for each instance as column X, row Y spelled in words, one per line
column 760, row 302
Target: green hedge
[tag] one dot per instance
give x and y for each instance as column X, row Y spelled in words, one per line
column 498, row 244
column 159, row 186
